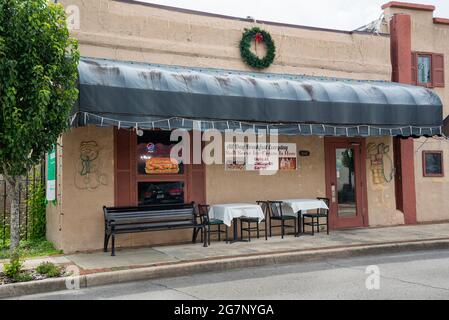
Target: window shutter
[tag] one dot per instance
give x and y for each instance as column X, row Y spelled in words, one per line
column 438, row 70
column 123, row 168
column 414, row 68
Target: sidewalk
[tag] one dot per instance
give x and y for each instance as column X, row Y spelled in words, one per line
column 189, row 252
column 100, row 268
column 163, row 255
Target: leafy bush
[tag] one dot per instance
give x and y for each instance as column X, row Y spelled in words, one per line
column 23, row 277
column 49, row 269
column 13, row 269
column 37, row 207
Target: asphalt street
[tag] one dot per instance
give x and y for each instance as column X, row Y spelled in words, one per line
column 412, row 275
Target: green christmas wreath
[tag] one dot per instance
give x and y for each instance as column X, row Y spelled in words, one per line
column 259, row 36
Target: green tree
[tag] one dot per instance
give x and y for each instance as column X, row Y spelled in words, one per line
column 38, row 74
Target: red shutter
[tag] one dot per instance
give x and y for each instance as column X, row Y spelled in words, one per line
column 414, row 68
column 438, row 70
column 196, row 181
column 123, row 166
column 197, row 184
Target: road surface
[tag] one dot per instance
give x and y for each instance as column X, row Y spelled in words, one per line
column 415, row 275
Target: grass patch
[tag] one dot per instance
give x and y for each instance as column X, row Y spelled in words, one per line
column 30, row 249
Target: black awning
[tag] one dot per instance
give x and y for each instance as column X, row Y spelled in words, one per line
column 147, row 95
column 446, row 127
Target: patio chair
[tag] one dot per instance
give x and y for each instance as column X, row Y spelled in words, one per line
column 203, row 212
column 264, row 205
column 321, row 213
column 276, row 214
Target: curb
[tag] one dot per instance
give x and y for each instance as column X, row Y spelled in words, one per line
column 216, row 265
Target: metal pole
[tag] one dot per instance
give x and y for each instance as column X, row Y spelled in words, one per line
column 4, row 213
column 20, row 200
column 27, row 181
column 33, row 218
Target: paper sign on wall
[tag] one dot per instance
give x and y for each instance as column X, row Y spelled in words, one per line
column 287, row 157
column 262, row 157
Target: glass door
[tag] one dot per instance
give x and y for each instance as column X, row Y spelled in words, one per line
column 345, row 182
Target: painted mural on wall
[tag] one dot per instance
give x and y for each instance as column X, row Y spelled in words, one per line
column 378, row 155
column 89, row 174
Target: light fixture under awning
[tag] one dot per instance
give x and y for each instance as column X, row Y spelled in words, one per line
column 129, row 94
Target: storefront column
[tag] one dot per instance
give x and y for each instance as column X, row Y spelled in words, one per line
column 401, row 60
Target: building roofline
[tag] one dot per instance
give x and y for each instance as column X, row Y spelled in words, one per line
column 216, row 15
column 441, row 21
column 407, row 5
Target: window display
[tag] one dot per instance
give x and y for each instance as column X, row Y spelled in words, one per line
column 153, row 154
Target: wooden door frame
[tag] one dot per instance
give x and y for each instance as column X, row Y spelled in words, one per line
column 362, row 175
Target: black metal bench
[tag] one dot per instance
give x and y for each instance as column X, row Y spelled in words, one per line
column 119, row 220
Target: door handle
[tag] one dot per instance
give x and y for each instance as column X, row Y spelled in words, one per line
column 333, row 193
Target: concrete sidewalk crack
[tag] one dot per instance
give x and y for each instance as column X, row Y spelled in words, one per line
column 174, row 289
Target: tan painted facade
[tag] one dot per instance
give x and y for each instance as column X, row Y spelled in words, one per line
column 381, row 197
column 249, row 186
column 77, row 221
column 432, row 194
column 134, row 32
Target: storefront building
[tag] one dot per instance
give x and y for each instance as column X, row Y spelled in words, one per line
column 374, row 146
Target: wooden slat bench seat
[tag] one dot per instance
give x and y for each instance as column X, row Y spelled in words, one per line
column 119, row 220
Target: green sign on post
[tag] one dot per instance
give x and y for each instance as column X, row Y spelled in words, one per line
column 51, row 175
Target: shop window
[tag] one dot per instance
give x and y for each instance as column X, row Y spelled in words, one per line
column 428, row 69
column 153, row 154
column 425, row 69
column 433, row 164
column 134, row 185
column 160, row 178
column 160, row 192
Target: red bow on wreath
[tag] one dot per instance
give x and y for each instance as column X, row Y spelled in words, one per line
column 258, row 37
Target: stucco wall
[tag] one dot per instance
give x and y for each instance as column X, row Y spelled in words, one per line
column 381, row 197
column 123, row 31
column 429, row 37
column 247, row 186
column 432, row 194
column 78, row 224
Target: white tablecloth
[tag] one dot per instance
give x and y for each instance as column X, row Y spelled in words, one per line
column 291, row 207
column 228, row 212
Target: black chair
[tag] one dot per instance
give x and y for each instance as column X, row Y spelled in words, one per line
column 203, row 213
column 249, row 221
column 276, row 214
column 321, row 213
